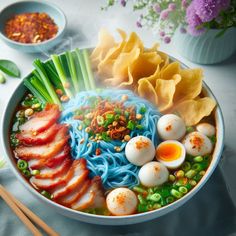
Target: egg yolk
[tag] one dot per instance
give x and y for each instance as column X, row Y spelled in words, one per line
column 168, row 152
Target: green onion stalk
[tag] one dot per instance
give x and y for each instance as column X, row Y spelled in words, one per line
column 61, row 74
column 43, row 75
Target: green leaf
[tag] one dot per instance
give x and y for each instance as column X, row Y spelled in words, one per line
column 10, row 68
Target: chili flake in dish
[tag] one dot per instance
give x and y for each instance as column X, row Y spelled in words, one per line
column 31, row 27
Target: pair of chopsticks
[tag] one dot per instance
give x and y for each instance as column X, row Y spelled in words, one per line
column 25, row 214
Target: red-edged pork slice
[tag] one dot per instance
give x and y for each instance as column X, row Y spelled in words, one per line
column 99, row 201
column 85, row 201
column 58, row 159
column 42, row 120
column 47, row 150
column 32, row 138
column 73, row 196
column 80, row 173
column 37, row 164
column 47, row 173
column 48, row 184
column 51, row 184
column 93, row 197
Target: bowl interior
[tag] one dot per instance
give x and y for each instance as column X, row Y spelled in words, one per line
column 106, row 220
column 32, row 6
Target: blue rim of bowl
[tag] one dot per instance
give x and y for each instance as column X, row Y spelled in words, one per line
column 41, row 43
column 126, row 220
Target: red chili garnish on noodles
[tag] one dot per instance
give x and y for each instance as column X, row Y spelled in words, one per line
column 31, row 27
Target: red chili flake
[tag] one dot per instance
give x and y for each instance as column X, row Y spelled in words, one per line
column 168, row 128
column 30, row 27
column 98, row 151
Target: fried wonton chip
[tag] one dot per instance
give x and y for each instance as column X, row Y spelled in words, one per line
column 106, row 65
column 190, row 85
column 145, row 66
column 192, row 111
column 153, row 78
column 132, row 43
column 170, row 70
column 165, row 90
column 146, row 90
column 120, row 68
column 165, row 59
column 105, row 42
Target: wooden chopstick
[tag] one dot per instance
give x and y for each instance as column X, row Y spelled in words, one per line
column 19, row 213
column 22, row 208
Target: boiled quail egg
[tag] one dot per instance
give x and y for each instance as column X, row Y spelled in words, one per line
column 139, row 150
column 171, row 127
column 197, row 144
column 153, row 174
column 171, row 153
column 121, row 201
column 206, row 128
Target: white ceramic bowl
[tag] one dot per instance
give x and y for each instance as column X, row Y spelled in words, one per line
column 107, row 220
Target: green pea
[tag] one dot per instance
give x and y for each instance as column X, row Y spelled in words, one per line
column 183, row 189
column 196, row 167
column 186, row 166
column 26, row 173
column 198, row 159
column 176, row 193
column 22, row 165
column 46, row 194
column 156, row 197
column 169, row 199
column 190, row 174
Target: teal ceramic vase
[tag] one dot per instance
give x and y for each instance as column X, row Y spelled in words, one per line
column 206, row 48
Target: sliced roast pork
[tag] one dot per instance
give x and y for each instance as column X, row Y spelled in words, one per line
column 37, row 164
column 78, row 172
column 46, row 150
column 92, row 198
column 42, row 120
column 33, row 138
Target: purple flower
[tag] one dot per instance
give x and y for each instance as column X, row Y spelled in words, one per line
column 194, row 21
column 164, row 14
column 162, row 33
column 157, row 8
column 184, row 3
column 123, row 3
column 195, row 31
column 207, row 10
column 138, row 23
column 172, row 6
column 167, row 39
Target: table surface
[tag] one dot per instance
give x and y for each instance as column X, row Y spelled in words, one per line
column 84, row 21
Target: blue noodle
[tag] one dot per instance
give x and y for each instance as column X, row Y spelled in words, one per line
column 113, row 167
